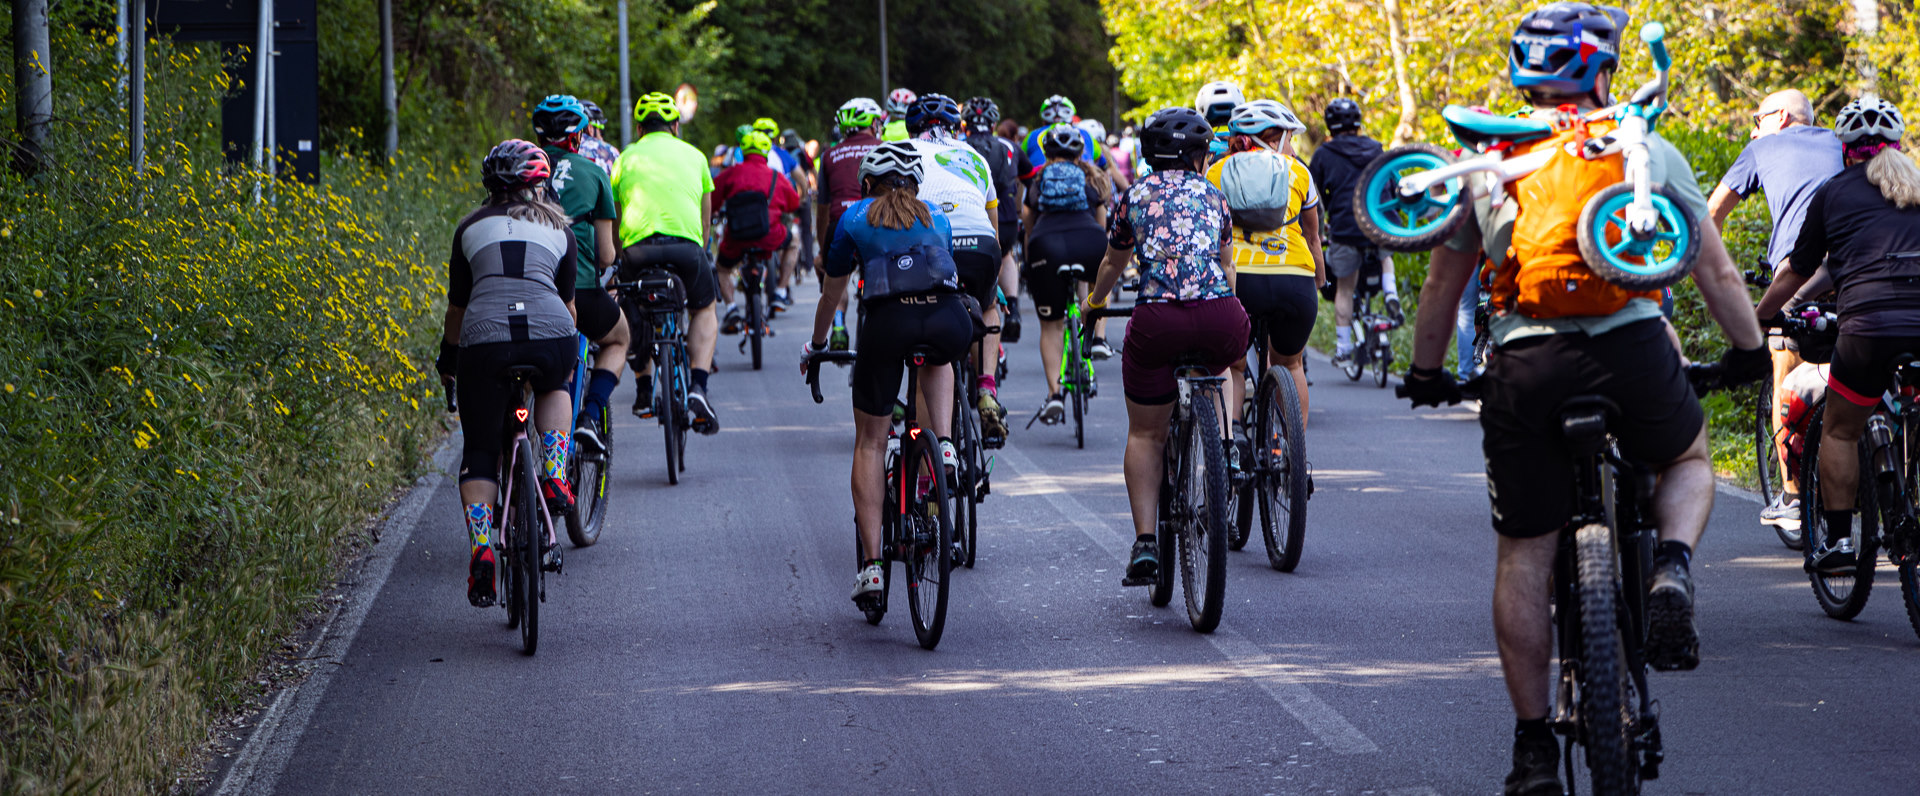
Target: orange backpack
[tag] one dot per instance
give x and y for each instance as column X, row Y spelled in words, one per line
column 1542, row 275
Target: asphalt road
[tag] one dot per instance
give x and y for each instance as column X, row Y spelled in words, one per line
column 707, row 643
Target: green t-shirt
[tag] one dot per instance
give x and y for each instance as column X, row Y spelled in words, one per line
column 661, row 183
column 587, row 196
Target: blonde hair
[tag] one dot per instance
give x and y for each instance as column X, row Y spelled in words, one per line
column 896, row 204
column 1895, row 174
column 532, row 205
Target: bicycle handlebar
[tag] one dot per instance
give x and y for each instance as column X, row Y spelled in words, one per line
column 813, row 369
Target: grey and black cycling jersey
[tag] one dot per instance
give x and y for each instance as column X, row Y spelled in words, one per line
column 513, row 277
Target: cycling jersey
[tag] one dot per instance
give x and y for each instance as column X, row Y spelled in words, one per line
column 1094, row 151
column 840, row 176
column 600, row 152
column 1872, row 251
column 858, row 243
column 1278, row 251
column 756, row 175
column 895, row 130
column 958, row 183
column 513, row 278
column 1005, row 166
column 1336, row 166
column 1177, row 220
column 661, row 183
column 782, row 162
column 586, row 195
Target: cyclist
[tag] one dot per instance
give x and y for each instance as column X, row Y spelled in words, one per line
column 1183, row 233
column 1616, row 346
column 1336, row 166
column 1865, row 224
column 1278, row 269
column 1216, row 102
column 896, row 123
column 1065, row 214
column 594, row 144
column 1058, row 110
column 1789, row 158
column 586, row 195
column 979, row 116
column 666, row 213
column 796, row 168
column 900, row 243
column 858, row 122
column 958, row 182
column 752, row 187
column 509, row 302
column 805, row 183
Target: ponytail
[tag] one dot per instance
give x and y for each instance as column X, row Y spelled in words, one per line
column 1895, row 174
column 533, row 205
column 896, row 203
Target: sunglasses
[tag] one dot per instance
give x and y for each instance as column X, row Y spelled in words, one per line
column 1758, row 116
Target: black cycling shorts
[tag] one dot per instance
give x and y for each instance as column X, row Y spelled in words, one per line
column 685, row 258
column 891, row 327
column 597, row 312
column 1286, row 302
column 1863, row 366
column 978, row 260
column 480, row 384
column 1529, row 471
column 1052, row 292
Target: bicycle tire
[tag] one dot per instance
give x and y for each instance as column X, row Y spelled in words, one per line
column 1420, row 225
column 588, row 475
column 682, row 415
column 756, row 325
column 1381, row 359
column 928, row 544
column 1166, row 528
column 670, row 428
column 973, row 477
column 1841, row 595
column 1356, row 365
column 526, row 541
column 1243, row 513
column 1606, row 212
column 1606, row 709
column 963, row 475
column 1203, row 554
column 1283, row 470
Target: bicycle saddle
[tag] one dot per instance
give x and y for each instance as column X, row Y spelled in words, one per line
column 1907, row 369
column 522, row 373
column 922, row 354
column 1478, row 130
column 1583, row 421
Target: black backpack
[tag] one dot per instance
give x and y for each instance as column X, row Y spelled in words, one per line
column 746, row 213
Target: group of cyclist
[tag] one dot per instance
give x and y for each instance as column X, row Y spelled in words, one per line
column 923, row 207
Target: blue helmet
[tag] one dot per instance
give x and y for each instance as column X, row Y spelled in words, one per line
column 933, row 110
column 558, row 116
column 1563, row 47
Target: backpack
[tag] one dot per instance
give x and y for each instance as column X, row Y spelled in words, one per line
column 915, row 270
column 1259, row 186
column 747, row 213
column 1540, row 273
column 1062, row 188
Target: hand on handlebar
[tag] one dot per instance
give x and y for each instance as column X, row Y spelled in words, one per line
column 1429, row 387
column 1744, row 366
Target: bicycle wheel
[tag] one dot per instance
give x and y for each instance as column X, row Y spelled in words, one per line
column 1282, row 457
column 1167, row 523
column 756, row 324
column 1203, row 553
column 668, row 410
column 1608, row 705
column 1381, row 359
column 1356, row 364
column 966, row 504
column 682, row 416
column 588, row 474
column 1768, row 472
column 1842, row 594
column 926, row 535
column 529, row 532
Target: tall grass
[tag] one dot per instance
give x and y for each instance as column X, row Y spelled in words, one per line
column 201, row 397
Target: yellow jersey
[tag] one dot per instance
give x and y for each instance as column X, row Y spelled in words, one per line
column 1280, row 251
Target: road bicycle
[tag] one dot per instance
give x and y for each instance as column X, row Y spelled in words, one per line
column 756, row 292
column 524, row 543
column 1192, row 522
column 916, row 520
column 587, row 469
column 1274, row 477
column 1635, row 234
column 972, row 481
column 655, row 305
column 1372, row 332
column 1078, row 382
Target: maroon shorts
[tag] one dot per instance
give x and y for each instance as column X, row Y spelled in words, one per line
column 1213, row 331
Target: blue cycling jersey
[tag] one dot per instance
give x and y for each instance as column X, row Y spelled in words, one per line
column 921, row 254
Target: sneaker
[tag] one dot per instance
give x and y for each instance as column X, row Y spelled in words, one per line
column 1393, row 311
column 643, row 399
column 1143, row 564
column 1100, row 349
column 1010, row 323
column 838, row 340
column 734, row 320
column 872, row 578
column 1536, row 768
column 1783, row 514
column 586, row 436
column 559, row 495
column 703, row 419
column 480, row 578
column 993, row 421
column 949, row 456
column 1343, row 358
column 1838, row 558
column 1055, row 409
column 1673, row 643
column 781, row 302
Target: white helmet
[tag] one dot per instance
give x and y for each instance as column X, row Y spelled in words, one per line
column 894, row 158
column 1869, row 117
column 1217, row 100
column 1258, row 116
column 1093, row 126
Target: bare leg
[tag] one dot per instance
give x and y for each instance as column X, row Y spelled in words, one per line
column 1522, row 624
column 726, row 285
column 1839, row 456
column 703, row 332
column 1297, row 366
column 869, row 478
column 936, row 398
column 613, row 347
column 1684, row 496
column 1145, row 463
column 1784, row 362
column 1053, row 343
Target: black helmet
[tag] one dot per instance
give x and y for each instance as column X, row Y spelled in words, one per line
column 1342, row 115
column 980, row 115
column 1175, row 134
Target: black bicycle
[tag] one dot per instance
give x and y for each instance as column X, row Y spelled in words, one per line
column 972, row 480
column 587, row 466
column 1193, row 506
column 756, row 292
column 1274, row 477
column 656, row 310
column 916, row 521
column 524, row 543
column 1372, row 333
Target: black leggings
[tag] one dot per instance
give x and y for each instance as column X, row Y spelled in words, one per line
column 889, row 328
column 1288, row 304
column 481, row 385
column 1046, row 253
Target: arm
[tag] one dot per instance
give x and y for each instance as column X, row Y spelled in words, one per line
column 706, row 217
column 823, row 313
column 822, row 215
column 450, row 331
column 1310, row 229
column 1726, row 293
column 604, row 249
column 1721, row 204
column 1448, row 273
column 1111, row 267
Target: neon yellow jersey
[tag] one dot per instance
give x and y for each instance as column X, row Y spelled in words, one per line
column 661, row 183
column 1280, row 251
column 895, row 130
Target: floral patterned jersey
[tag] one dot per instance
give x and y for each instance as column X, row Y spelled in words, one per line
column 1176, row 221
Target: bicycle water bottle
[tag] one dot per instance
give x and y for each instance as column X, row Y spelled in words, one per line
column 1886, row 460
column 893, row 455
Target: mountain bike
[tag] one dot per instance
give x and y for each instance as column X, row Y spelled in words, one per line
column 916, row 521
column 756, row 290
column 1078, row 383
column 655, row 304
column 1192, row 522
column 587, row 469
column 1275, row 477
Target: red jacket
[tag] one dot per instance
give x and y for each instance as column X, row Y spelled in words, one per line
column 753, row 174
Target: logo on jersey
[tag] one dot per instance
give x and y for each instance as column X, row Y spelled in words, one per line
column 562, row 174
column 904, row 263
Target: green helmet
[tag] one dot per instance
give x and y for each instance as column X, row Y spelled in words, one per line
column 755, row 143
column 1056, row 110
column 740, row 133
column 766, row 125
column 858, row 114
column 656, row 104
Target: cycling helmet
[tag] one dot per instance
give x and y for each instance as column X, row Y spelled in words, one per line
column 559, row 116
column 1562, row 48
column 1176, row 134
column 595, row 116
column 932, row 111
column 1259, row 116
column 1869, row 117
column 656, row 105
column 1342, row 115
column 514, row 164
column 897, row 102
column 1217, row 100
column 857, row 114
column 768, row 126
column 980, row 115
column 1063, row 141
column 1057, row 110
column 892, row 159
column 740, row 133
column 1094, row 127
column 790, row 139
column 755, row 143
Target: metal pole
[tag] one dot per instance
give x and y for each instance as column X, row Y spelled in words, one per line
column 137, row 85
column 120, row 29
column 884, row 81
column 273, row 115
column 262, row 46
column 389, row 103
column 33, row 79
column 626, row 87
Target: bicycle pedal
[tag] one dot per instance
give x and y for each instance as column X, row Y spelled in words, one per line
column 1144, row 580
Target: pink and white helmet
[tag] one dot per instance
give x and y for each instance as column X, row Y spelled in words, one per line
column 897, row 102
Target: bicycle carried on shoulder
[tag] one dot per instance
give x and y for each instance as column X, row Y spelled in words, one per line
column 655, row 304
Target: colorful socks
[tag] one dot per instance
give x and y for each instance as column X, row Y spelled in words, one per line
column 479, row 524
column 555, row 444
